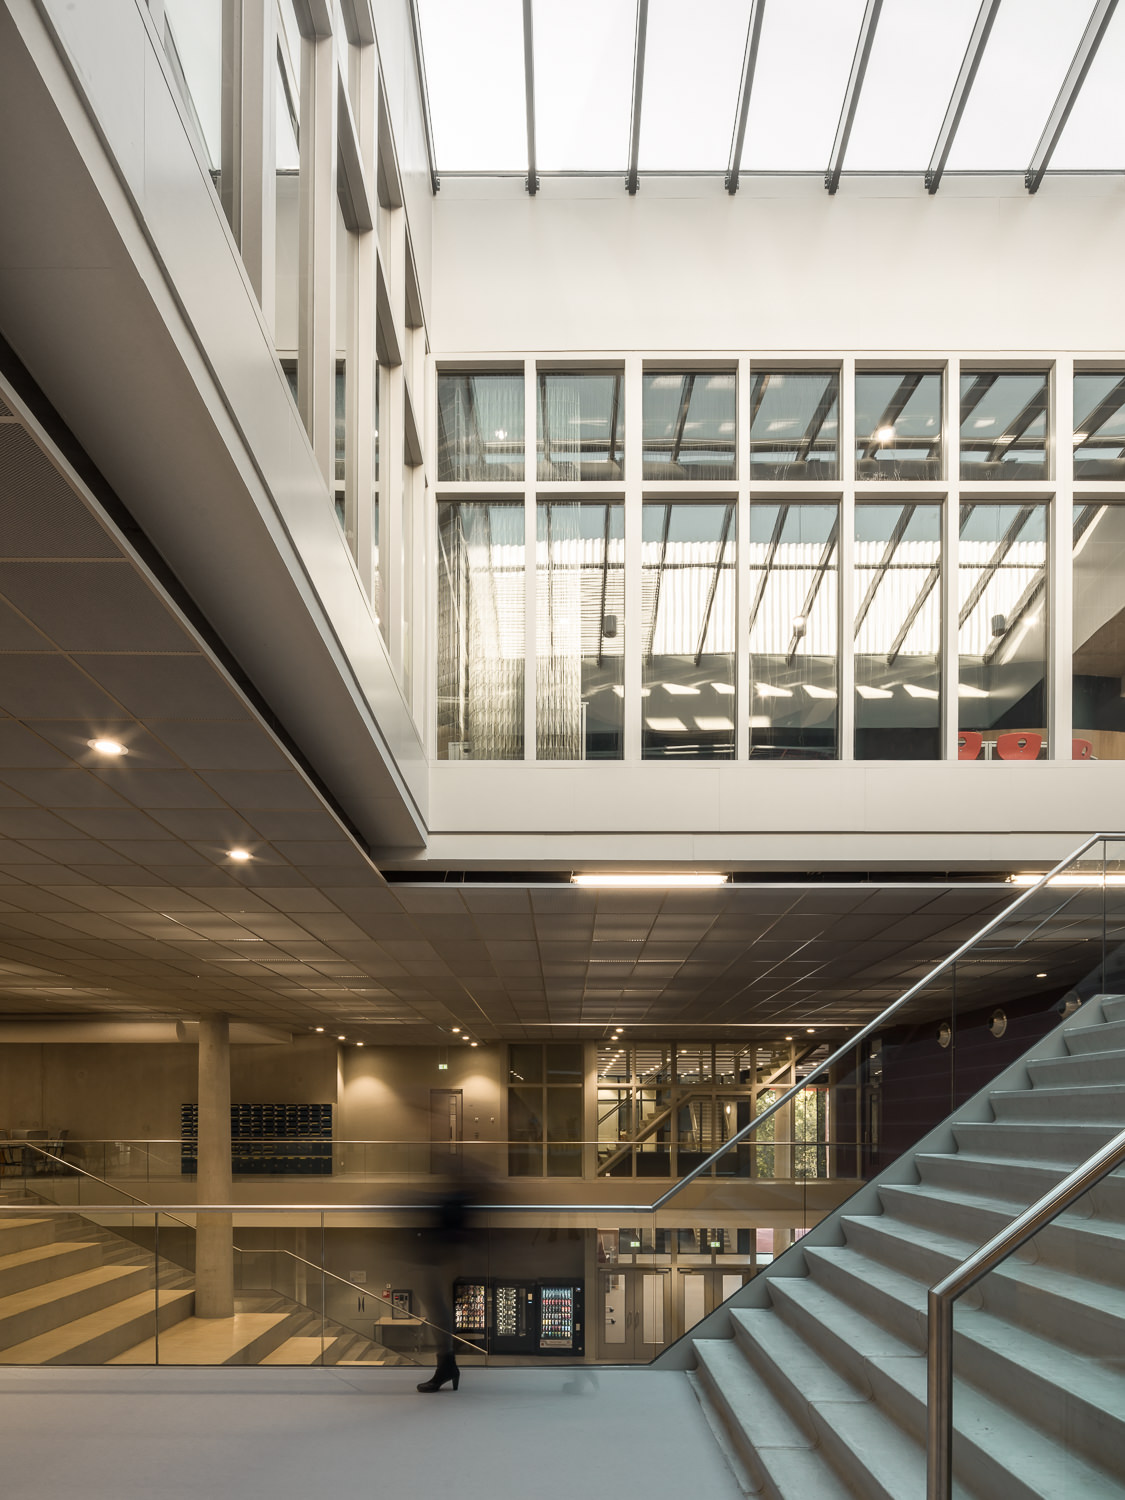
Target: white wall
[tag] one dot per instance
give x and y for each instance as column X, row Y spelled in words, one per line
column 980, row 266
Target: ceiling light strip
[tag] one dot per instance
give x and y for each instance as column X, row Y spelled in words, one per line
column 671, row 881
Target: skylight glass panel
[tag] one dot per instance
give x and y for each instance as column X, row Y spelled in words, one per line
column 1093, row 139
column 804, row 59
column 583, row 83
column 475, row 79
column 915, row 58
column 1023, row 67
column 692, row 73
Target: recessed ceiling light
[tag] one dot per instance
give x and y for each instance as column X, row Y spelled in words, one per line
column 648, row 882
column 810, row 1030
column 1040, row 976
column 359, row 1044
column 107, row 747
column 238, row 854
column 788, row 1038
column 456, row 1030
column 464, row 1038
column 341, row 1037
column 319, row 1028
column 473, row 1044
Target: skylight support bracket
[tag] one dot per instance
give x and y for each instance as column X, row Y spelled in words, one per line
column 529, row 96
column 1072, row 83
column 749, row 62
column 632, row 182
column 982, row 26
column 852, row 92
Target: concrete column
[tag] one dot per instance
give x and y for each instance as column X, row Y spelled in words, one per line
column 214, row 1252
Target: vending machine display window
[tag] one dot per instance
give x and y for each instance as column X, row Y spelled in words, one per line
column 560, row 1317
column 470, row 1310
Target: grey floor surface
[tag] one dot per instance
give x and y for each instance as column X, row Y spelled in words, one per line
column 280, row 1434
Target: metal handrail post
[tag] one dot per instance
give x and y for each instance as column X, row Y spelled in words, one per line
column 939, row 1336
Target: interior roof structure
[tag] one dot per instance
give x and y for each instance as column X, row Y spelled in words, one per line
column 119, row 897
column 915, row 86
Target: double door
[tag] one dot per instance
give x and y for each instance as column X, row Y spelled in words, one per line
column 703, row 1290
column 634, row 1315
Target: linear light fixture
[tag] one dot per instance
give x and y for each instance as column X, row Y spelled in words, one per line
column 649, row 882
column 1069, row 879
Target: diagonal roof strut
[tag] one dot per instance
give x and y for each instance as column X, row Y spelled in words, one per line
column 852, row 92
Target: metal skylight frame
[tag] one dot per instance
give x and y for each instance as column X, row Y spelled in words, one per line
column 532, row 183
column 745, row 87
column 1084, row 55
column 978, row 40
column 852, row 92
column 632, row 181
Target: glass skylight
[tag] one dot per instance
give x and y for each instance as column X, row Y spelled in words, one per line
column 1093, row 139
column 474, row 74
column 691, row 83
column 583, row 83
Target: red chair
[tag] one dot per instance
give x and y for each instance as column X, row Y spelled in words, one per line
column 1019, row 746
column 969, row 743
column 1081, row 750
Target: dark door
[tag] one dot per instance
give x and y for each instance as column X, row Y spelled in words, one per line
column 445, row 1130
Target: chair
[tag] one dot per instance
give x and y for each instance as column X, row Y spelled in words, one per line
column 1081, row 750
column 1019, row 746
column 969, row 743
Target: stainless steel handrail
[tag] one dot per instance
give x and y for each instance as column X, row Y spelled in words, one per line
column 939, row 1338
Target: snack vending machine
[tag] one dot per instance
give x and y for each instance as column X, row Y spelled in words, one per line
column 514, row 1324
column 561, row 1317
column 470, row 1313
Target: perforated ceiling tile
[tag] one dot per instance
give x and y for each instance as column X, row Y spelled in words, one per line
column 62, row 789
column 164, row 687
column 20, row 748
column 157, row 789
column 39, row 513
column 18, row 634
column 48, row 686
column 115, row 823
column 210, row 746
column 253, row 789
column 92, row 606
column 73, row 739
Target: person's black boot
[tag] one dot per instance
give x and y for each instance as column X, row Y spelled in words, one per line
column 446, row 1370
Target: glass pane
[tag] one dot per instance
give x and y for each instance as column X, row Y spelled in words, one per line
column 564, row 1063
column 525, row 1063
column 480, row 427
column 915, row 58
column 1004, row 426
column 580, row 631
column 898, row 632
column 481, row 630
column 583, row 83
column 693, row 63
column 1099, row 425
column 793, row 631
column 1002, row 622
column 564, row 1132
column 687, row 615
column 525, row 1132
column 1099, row 631
column 474, row 73
column 1025, row 61
column 194, row 41
column 287, row 104
column 1093, row 138
column 897, row 425
column 581, row 427
column 793, row 422
column 689, row 426
column 804, row 58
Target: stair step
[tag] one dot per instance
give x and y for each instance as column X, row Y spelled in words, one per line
column 97, row 1337
column 42, row 1263
column 209, row 1341
column 1108, row 1037
column 1091, row 1247
column 1078, row 1069
column 1113, row 1007
column 1034, row 1141
column 1094, row 1103
column 780, row 1458
column 301, row 1350
column 20, row 1233
column 37, row 1310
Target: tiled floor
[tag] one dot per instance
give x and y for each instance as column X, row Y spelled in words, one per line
column 285, row 1434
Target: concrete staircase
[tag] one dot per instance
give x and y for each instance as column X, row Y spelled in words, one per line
column 818, row 1388
column 74, row 1293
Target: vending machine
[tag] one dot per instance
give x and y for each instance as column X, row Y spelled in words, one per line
column 514, row 1324
column 561, row 1317
column 470, row 1312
